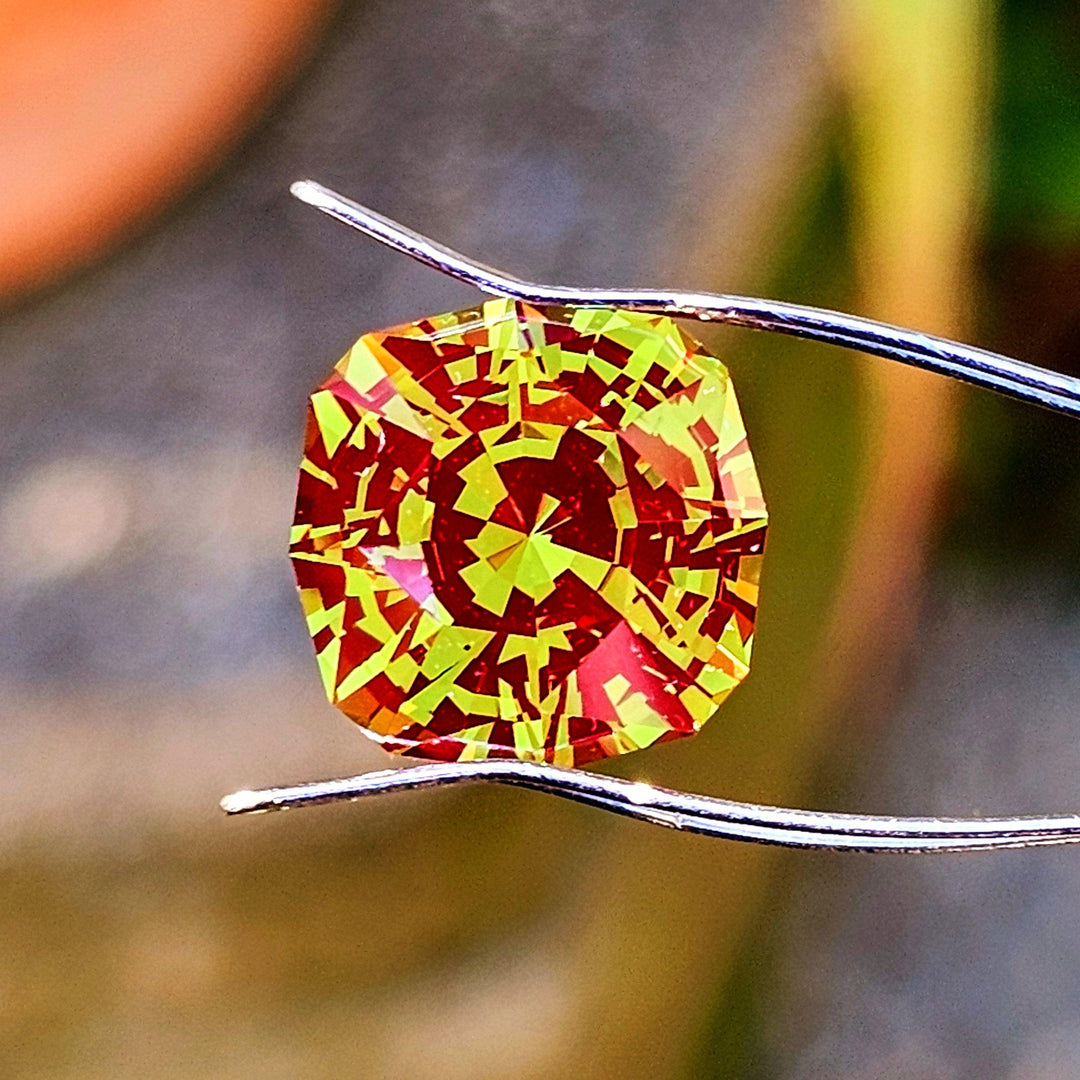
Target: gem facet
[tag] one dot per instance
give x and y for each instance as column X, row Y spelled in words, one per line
column 528, row 532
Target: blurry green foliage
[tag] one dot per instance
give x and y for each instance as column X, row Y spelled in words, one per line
column 1015, row 503
column 1035, row 173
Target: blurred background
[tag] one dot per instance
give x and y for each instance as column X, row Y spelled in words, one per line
column 166, row 308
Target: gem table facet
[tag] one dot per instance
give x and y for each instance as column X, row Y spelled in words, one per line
column 528, row 532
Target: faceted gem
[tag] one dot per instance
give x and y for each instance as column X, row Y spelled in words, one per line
column 528, row 532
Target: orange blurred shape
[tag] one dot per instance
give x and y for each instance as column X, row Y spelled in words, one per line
column 109, row 109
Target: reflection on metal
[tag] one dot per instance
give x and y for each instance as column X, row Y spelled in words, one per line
column 678, row 810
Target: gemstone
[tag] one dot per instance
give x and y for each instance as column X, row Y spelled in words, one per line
column 530, row 532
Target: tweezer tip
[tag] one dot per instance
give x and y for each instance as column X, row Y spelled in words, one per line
column 243, row 802
column 307, row 191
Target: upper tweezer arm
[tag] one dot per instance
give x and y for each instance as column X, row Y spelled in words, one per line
column 979, row 367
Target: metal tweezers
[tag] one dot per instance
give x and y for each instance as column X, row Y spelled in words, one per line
column 634, row 799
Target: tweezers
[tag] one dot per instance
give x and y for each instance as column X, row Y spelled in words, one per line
column 645, row 802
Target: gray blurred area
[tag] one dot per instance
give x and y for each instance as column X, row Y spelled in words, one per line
column 152, row 410
column 941, row 968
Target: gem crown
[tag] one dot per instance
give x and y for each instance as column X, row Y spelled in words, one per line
column 528, row 532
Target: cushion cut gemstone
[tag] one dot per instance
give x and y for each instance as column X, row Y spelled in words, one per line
column 528, row 532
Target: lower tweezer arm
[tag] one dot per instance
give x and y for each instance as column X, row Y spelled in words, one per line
column 690, row 813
